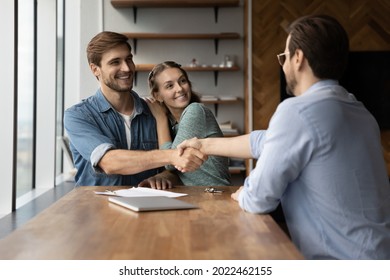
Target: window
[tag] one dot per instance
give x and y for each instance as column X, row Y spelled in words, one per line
column 60, row 86
column 32, row 83
column 39, row 95
column 26, row 89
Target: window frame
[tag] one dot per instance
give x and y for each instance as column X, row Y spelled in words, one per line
column 45, row 119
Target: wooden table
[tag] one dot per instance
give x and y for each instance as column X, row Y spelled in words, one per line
column 84, row 225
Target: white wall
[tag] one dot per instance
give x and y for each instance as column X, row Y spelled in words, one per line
column 83, row 21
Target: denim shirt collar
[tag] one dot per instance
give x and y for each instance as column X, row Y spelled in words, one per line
column 104, row 105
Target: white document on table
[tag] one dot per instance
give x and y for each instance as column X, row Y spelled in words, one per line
column 140, row 191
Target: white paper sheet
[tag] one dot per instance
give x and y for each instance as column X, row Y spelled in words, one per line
column 140, row 191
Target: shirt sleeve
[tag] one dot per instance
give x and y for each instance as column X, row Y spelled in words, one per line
column 283, row 150
column 86, row 137
column 257, row 138
column 98, row 153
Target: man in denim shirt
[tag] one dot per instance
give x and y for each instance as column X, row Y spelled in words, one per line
column 112, row 134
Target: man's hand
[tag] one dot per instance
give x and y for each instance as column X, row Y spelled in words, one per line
column 190, row 143
column 189, row 160
column 162, row 181
column 234, row 195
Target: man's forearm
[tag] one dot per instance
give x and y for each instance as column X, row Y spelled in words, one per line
column 127, row 162
column 238, row 146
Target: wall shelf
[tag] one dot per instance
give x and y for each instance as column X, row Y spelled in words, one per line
column 149, row 67
column 215, row 69
column 221, row 101
column 178, row 36
column 135, row 4
column 217, row 101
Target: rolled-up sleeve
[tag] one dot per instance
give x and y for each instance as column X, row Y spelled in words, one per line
column 87, row 140
column 98, row 153
column 257, row 142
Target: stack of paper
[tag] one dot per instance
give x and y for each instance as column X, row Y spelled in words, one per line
column 151, row 203
column 136, row 192
column 147, row 199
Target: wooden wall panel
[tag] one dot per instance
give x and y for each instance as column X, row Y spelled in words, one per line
column 367, row 24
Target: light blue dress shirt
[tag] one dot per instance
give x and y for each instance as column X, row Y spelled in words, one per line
column 321, row 157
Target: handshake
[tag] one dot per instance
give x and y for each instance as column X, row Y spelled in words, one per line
column 191, row 156
column 200, row 149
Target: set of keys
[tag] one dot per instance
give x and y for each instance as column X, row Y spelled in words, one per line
column 213, row 190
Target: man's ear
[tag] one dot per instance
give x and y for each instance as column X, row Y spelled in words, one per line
column 95, row 70
column 299, row 58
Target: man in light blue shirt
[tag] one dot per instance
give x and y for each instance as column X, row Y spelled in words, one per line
column 112, row 134
column 321, row 157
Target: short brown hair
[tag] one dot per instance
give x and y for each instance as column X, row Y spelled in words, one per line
column 103, row 42
column 324, row 43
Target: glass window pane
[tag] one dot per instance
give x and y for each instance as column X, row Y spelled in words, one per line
column 25, row 86
column 60, row 84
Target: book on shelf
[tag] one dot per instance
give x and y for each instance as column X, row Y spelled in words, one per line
column 228, row 128
column 209, row 98
column 228, row 98
column 218, row 98
column 226, row 125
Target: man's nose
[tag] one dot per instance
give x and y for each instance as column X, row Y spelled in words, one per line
column 125, row 66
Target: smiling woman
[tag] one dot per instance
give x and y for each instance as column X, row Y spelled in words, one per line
column 180, row 116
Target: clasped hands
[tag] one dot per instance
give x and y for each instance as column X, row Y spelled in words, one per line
column 190, row 150
column 196, row 144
